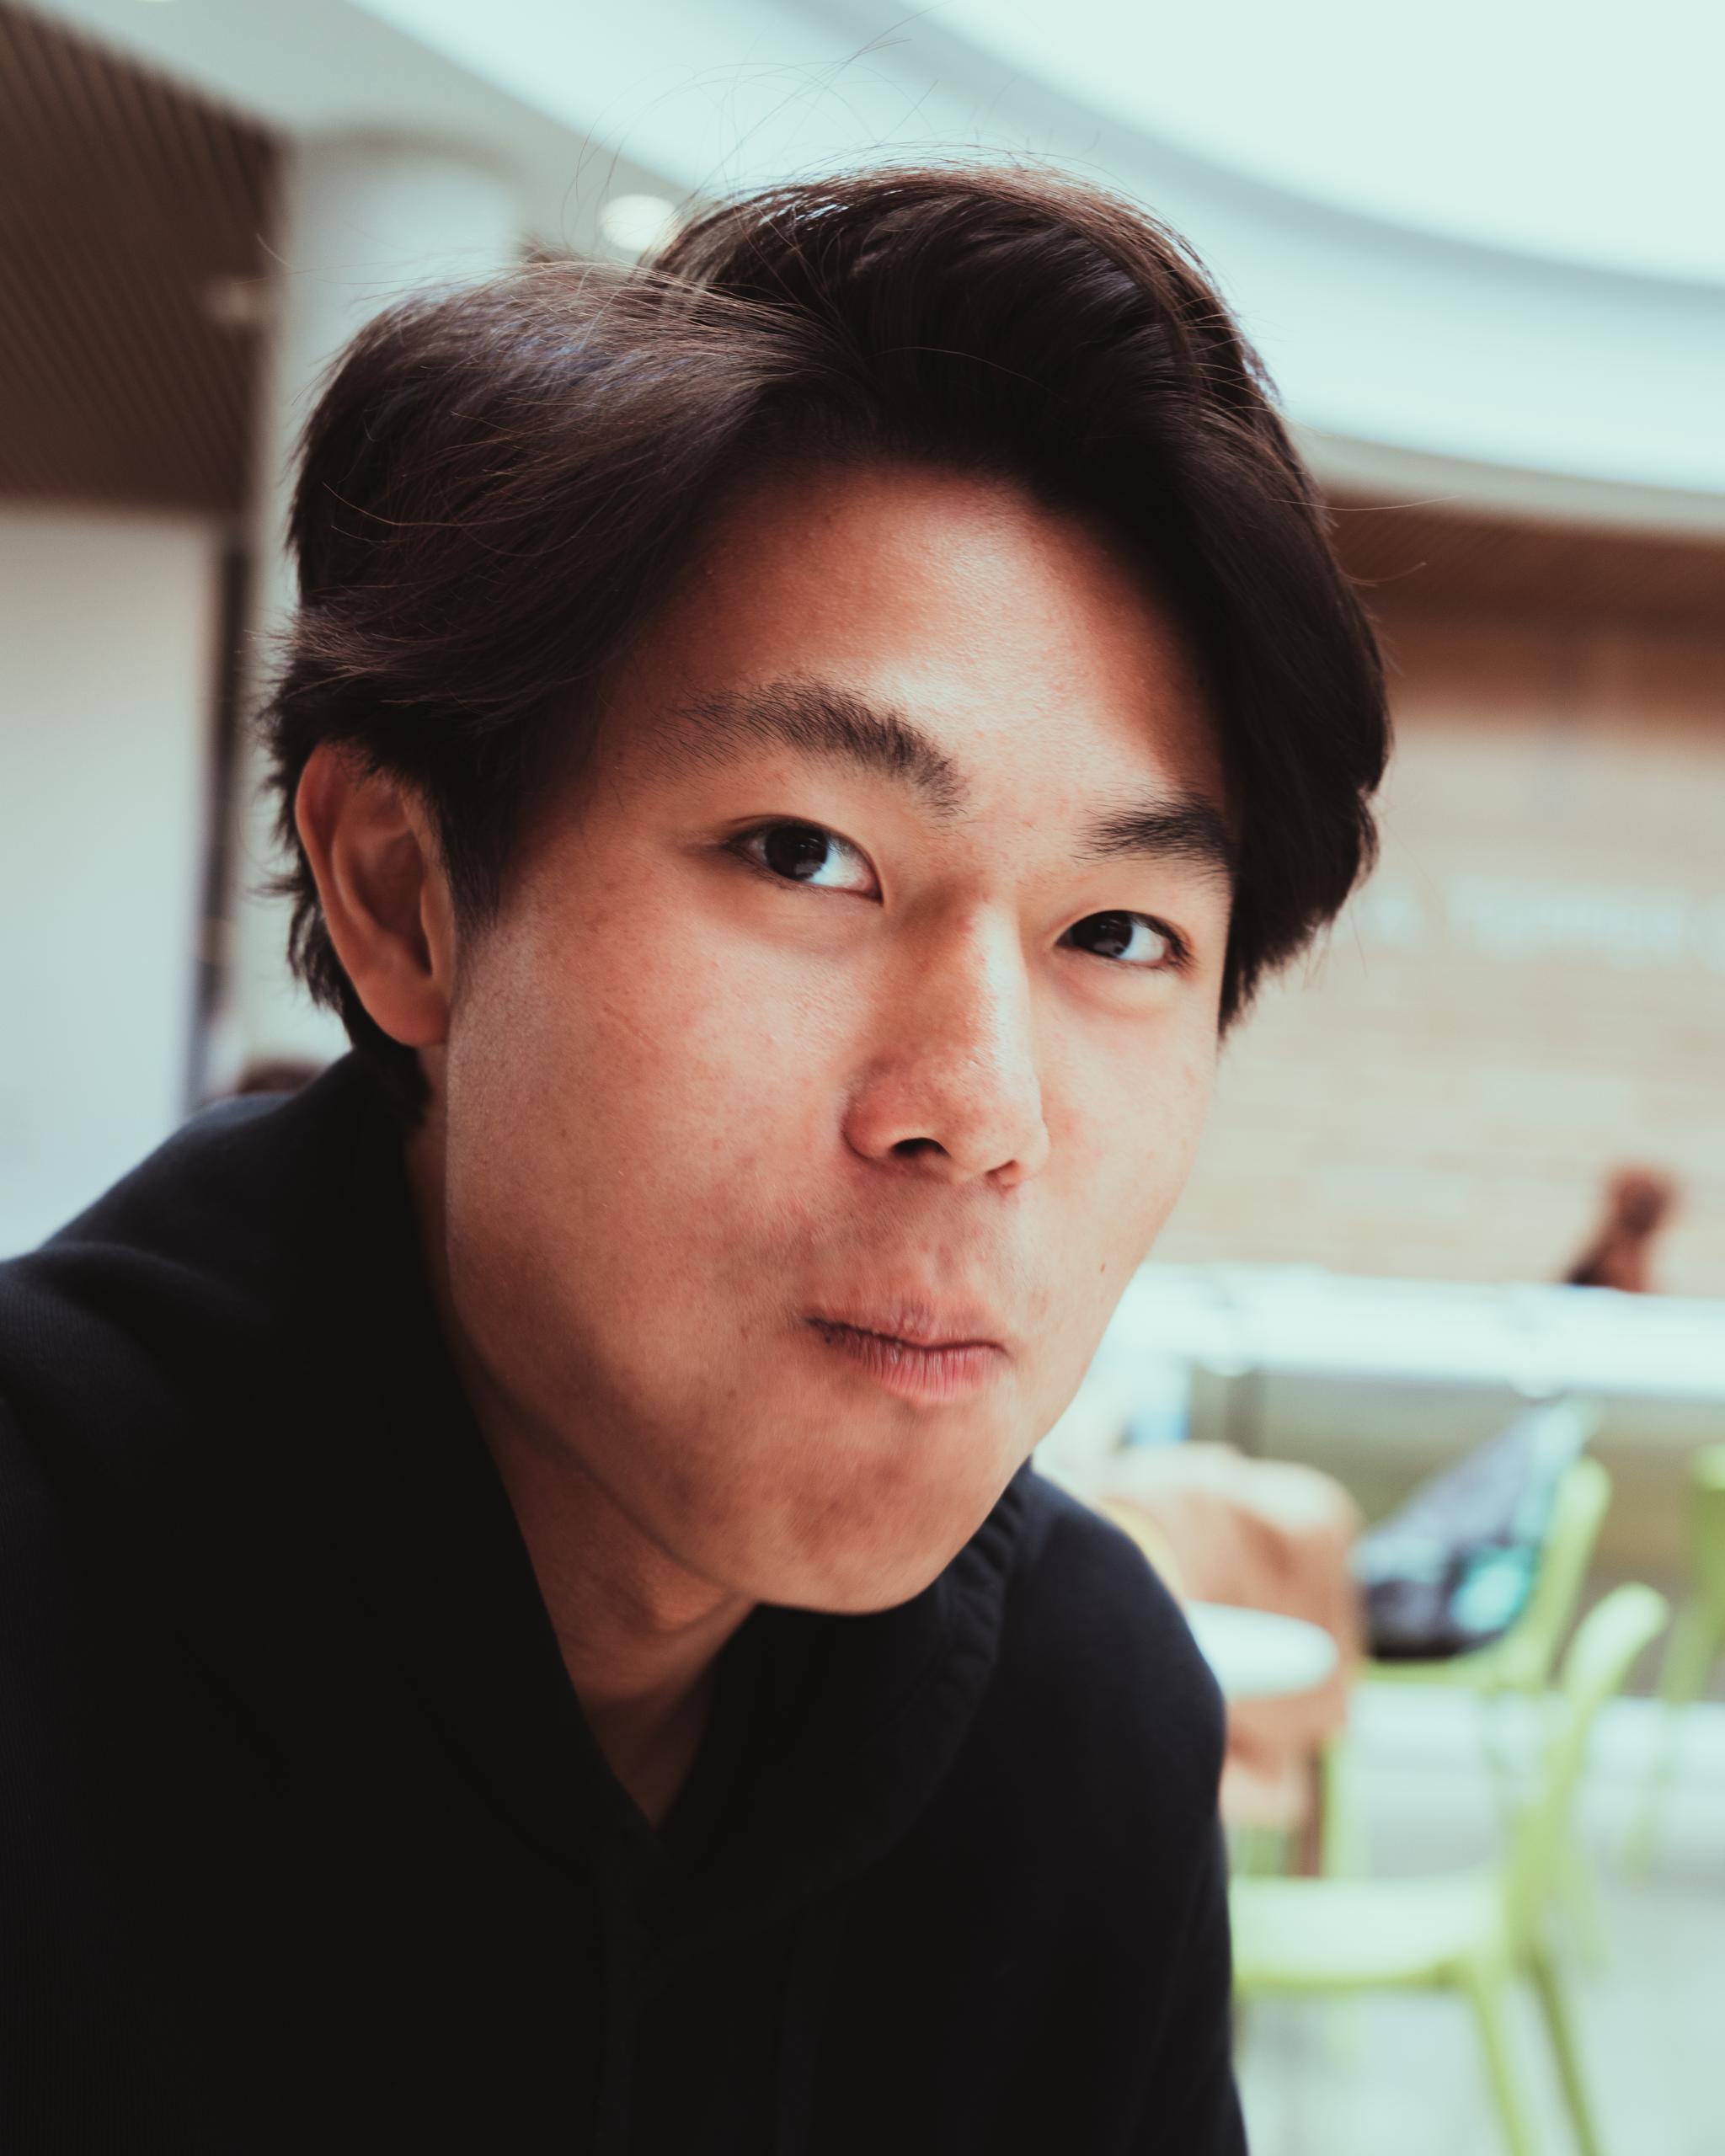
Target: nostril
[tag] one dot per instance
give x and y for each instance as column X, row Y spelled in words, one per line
column 908, row 1146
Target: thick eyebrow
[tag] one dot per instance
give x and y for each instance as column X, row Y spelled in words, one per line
column 1183, row 827
column 819, row 718
column 816, row 718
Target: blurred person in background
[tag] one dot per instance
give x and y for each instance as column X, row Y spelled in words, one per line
column 1639, row 1203
column 530, row 1624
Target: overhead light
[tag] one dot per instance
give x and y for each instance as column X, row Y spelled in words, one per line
column 635, row 224
column 237, row 303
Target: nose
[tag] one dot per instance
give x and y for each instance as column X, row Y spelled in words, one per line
column 951, row 1088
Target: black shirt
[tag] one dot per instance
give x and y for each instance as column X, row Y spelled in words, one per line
column 305, row 1844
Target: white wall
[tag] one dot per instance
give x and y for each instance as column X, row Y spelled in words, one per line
column 108, row 642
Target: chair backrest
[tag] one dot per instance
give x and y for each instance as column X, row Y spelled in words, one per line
column 1527, row 1654
column 1605, row 1646
column 1707, row 1521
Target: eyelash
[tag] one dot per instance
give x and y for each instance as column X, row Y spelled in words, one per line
column 738, row 845
column 1179, row 957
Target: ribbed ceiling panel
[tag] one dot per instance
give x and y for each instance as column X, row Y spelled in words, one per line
column 133, row 219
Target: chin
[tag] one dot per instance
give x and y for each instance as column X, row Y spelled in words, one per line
column 855, row 1595
column 835, row 1595
column 873, row 1549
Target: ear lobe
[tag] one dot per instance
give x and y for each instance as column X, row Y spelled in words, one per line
column 385, row 898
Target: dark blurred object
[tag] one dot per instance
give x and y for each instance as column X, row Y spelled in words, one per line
column 283, row 1074
column 1452, row 1568
column 1639, row 1201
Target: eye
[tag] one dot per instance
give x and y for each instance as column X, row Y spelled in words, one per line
column 805, row 853
column 1131, row 939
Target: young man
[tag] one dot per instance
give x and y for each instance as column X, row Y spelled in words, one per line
column 529, row 1626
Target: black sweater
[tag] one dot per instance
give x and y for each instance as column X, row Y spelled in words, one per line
column 305, row 1847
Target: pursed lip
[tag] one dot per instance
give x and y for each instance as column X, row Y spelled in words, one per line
column 918, row 1324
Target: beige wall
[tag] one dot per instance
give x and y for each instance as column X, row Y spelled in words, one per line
column 1531, row 991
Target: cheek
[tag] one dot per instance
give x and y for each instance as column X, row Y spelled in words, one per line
column 1124, row 1134
column 1133, row 1137
column 667, row 1077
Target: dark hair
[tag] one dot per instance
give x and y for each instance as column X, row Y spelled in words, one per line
column 497, row 486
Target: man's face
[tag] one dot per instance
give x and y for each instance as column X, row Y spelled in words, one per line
column 862, row 994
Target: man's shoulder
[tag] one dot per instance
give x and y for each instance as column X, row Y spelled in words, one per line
column 1078, row 1573
column 172, row 1259
column 1097, row 1655
column 169, row 1316
column 91, row 1320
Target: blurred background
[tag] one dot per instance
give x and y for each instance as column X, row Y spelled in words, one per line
column 1465, row 1169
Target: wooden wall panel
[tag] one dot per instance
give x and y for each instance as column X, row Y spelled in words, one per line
column 1531, row 991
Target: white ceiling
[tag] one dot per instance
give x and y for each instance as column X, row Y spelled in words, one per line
column 1480, row 246
column 1576, row 131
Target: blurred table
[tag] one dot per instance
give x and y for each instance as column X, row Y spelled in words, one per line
column 1536, row 1338
column 1257, row 1655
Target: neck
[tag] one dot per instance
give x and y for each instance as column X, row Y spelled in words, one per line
column 639, row 1633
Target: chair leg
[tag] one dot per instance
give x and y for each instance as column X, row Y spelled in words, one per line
column 1503, row 1742
column 1488, row 1991
column 1341, row 1841
column 1579, row 1888
column 1257, row 1852
column 1695, row 1641
column 1556, row 2014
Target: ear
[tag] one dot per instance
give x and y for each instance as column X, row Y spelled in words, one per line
column 385, row 901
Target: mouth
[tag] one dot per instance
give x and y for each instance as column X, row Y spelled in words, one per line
column 940, row 1365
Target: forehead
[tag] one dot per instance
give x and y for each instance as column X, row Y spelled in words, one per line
column 1025, row 640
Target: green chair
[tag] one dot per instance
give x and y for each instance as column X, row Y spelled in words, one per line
column 1472, row 1932
column 1518, row 1666
column 1523, row 1659
column 1697, row 1638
